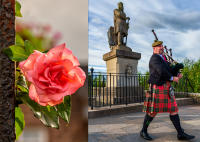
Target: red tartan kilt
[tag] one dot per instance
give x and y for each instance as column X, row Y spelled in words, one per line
column 159, row 101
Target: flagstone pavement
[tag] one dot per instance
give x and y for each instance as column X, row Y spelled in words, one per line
column 126, row 127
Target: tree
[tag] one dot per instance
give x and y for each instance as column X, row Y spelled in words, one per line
column 192, row 72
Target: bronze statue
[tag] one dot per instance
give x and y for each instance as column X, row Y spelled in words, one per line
column 117, row 33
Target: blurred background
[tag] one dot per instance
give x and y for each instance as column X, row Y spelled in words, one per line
column 47, row 23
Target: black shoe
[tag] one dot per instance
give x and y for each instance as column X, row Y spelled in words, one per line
column 185, row 136
column 145, row 135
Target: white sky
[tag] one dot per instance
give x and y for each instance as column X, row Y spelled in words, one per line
column 70, row 17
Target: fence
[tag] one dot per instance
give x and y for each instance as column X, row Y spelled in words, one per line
column 116, row 89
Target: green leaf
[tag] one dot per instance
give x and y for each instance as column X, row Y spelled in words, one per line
column 64, row 109
column 29, row 47
column 22, row 88
column 48, row 116
column 19, row 122
column 16, row 53
column 19, row 41
column 46, row 51
column 37, row 42
column 49, row 108
column 21, row 82
column 17, row 9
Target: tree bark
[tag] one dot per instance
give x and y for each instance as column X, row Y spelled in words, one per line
column 7, row 72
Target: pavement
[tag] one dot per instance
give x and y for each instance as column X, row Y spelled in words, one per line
column 126, row 127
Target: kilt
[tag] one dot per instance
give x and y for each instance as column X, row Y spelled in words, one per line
column 159, row 100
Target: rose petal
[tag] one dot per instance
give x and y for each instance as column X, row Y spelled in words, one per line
column 63, row 64
column 53, row 103
column 44, row 99
column 60, row 52
column 58, row 72
column 44, row 96
column 21, row 65
column 40, row 65
column 75, row 80
column 34, row 95
column 28, row 65
column 43, row 79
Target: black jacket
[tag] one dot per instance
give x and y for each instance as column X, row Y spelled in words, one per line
column 159, row 70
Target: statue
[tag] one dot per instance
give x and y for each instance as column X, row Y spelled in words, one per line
column 117, row 33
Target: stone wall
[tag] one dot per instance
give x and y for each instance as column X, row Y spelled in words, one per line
column 7, row 72
column 194, row 96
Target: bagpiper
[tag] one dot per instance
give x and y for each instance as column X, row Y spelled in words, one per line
column 160, row 98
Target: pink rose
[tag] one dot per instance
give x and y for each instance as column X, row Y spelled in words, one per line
column 53, row 75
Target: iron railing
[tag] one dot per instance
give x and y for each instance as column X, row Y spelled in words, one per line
column 117, row 89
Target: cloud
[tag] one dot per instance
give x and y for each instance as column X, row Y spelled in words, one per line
column 183, row 23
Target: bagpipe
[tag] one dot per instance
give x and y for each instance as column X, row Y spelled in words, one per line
column 176, row 67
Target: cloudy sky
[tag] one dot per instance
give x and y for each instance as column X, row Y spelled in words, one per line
column 176, row 22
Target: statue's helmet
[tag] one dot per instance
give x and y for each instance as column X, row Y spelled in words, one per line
column 120, row 6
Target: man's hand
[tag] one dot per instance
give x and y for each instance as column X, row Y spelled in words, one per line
column 176, row 79
column 180, row 75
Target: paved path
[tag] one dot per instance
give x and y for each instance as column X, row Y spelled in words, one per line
column 125, row 128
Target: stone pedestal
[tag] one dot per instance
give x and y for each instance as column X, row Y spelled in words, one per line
column 121, row 60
